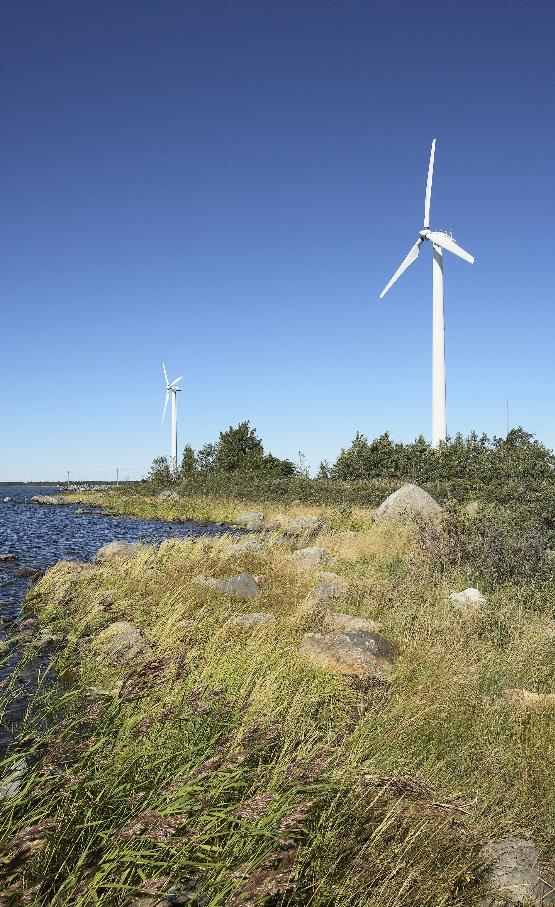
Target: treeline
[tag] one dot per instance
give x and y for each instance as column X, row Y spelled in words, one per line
column 516, row 468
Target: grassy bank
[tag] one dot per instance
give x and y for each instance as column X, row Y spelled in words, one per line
column 220, row 766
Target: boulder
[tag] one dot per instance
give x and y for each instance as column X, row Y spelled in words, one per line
column 243, row 548
column 307, row 558
column 120, row 641
column 4, row 558
column 528, row 699
column 467, row 602
column 408, row 502
column 362, row 654
column 333, row 587
column 46, row 499
column 242, row 586
column 337, row 622
column 303, row 527
column 513, row 875
column 250, row 519
column 168, row 495
column 14, row 779
column 30, row 572
column 117, row 549
column 252, row 620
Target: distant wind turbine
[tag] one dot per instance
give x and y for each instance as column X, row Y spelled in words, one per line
column 440, row 241
column 173, row 390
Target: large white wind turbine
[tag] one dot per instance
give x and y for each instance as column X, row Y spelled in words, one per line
column 439, row 242
column 173, row 390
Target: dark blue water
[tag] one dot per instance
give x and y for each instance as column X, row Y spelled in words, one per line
column 40, row 535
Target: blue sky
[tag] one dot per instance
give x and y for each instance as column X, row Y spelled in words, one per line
column 228, row 186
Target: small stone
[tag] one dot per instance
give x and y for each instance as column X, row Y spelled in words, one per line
column 30, row 572
column 168, row 495
column 242, row 586
column 14, row 779
column 7, row 499
column 120, row 640
column 336, row 621
column 407, row 503
column 117, row 549
column 307, row 558
column 513, row 875
column 253, row 620
column 250, row 519
column 467, row 602
column 243, row 548
column 362, row 654
column 4, row 558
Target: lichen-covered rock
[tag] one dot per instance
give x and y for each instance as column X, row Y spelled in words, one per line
column 46, row 499
column 362, row 654
column 121, row 640
column 250, row 519
column 117, row 549
column 307, row 558
column 252, row 620
column 513, row 875
column 168, row 495
column 4, row 558
column 243, row 548
column 407, row 503
column 242, row 586
column 303, row 526
column 336, row 621
column 467, row 602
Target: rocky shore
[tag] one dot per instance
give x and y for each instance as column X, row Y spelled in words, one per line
column 304, row 714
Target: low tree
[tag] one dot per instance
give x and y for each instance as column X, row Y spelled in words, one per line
column 188, row 462
column 160, row 471
column 238, row 449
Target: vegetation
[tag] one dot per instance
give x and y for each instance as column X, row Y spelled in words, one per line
column 218, row 767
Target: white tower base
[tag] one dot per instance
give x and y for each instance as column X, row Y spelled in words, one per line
column 173, row 461
column 439, row 426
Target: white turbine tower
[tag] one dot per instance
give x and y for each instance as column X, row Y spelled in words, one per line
column 440, row 241
column 173, row 390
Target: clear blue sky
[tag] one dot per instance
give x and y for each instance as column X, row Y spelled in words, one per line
column 228, row 186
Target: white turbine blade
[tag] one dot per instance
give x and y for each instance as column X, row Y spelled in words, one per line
column 412, row 256
column 165, row 405
column 175, row 382
column 165, row 374
column 429, row 187
column 446, row 242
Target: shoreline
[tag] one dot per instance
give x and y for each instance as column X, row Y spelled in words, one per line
column 222, row 730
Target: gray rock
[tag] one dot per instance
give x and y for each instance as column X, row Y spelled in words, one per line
column 120, row 640
column 513, row 875
column 304, row 527
column 46, row 638
column 168, row 495
column 7, row 499
column 4, row 558
column 46, row 499
column 307, row 558
column 243, row 548
column 250, row 519
column 14, row 779
column 336, row 621
column 123, row 550
column 408, row 502
column 31, row 572
column 253, row 620
column 242, row 586
column 362, row 654
column 467, row 602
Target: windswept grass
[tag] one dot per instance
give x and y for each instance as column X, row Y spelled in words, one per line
column 222, row 764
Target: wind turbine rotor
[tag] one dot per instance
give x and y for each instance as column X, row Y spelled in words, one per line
column 165, row 374
column 429, row 187
column 166, row 405
column 447, row 242
column 175, row 382
column 411, row 257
